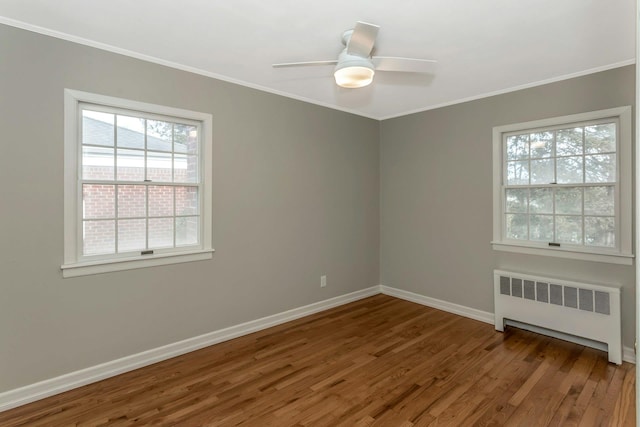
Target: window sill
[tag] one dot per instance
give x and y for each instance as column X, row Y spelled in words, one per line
column 106, row 266
column 613, row 258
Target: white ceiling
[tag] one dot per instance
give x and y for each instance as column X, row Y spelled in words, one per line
column 482, row 47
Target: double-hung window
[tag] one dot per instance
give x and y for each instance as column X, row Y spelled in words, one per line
column 562, row 186
column 137, row 184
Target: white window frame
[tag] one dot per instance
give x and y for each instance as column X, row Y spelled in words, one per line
column 77, row 265
column 622, row 254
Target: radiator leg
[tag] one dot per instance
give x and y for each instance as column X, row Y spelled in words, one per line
column 615, row 352
column 499, row 322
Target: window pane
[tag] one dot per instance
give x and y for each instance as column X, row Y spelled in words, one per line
column 160, row 200
column 542, row 171
column 159, row 135
column 130, row 165
column 516, row 226
column 569, row 170
column 569, row 229
column 97, row 163
column 192, row 169
column 599, row 200
column 98, row 237
column 600, row 168
column 560, row 183
column 569, row 142
column 600, row 138
column 518, row 147
column 132, row 235
column 130, row 132
column 541, row 228
column 98, row 201
column 517, row 173
column 159, row 166
column 132, row 201
column 600, row 231
column 160, row 232
column 569, row 200
column 541, row 200
column 97, row 128
column 185, row 168
column 185, row 139
column 187, row 201
column 541, row 144
column 187, row 231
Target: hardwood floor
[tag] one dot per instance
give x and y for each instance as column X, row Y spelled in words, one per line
column 379, row 361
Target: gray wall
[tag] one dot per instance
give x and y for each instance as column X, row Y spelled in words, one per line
column 436, row 194
column 296, row 195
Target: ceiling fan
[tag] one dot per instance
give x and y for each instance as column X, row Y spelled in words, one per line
column 355, row 67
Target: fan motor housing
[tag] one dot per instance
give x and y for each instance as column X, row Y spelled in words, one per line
column 346, row 36
column 347, row 60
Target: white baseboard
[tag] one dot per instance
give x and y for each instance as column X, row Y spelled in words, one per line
column 628, row 354
column 40, row 390
column 472, row 313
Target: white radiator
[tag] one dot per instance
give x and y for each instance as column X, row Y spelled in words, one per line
column 579, row 309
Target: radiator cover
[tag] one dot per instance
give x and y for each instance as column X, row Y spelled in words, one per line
column 580, row 309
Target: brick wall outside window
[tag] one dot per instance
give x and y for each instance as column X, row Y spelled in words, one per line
column 99, row 204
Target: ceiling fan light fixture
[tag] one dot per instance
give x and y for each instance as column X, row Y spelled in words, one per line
column 354, row 76
column 353, row 71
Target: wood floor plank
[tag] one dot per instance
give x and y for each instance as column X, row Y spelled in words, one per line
column 379, row 361
column 625, row 399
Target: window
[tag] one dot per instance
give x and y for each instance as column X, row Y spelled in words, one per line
column 137, row 184
column 562, row 186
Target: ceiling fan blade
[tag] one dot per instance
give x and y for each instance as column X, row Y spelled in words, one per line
column 305, row 63
column 362, row 39
column 408, row 65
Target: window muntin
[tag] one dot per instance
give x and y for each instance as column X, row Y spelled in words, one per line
column 562, row 186
column 137, row 184
column 140, row 182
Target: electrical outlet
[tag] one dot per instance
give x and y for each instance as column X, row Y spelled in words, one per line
column 323, row 281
